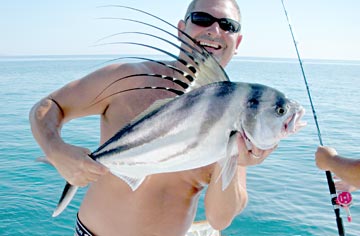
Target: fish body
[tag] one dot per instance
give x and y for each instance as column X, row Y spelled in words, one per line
column 194, row 130
column 189, row 132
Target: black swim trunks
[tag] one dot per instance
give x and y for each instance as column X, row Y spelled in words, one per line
column 80, row 229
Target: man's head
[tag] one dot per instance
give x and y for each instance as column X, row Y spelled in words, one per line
column 217, row 36
column 192, row 7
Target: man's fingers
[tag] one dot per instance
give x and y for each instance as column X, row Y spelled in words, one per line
column 85, row 178
column 95, row 167
column 92, row 177
column 262, row 153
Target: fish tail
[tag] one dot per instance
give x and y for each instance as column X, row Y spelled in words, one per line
column 66, row 197
column 67, row 194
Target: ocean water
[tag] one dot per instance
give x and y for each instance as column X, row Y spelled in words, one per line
column 288, row 194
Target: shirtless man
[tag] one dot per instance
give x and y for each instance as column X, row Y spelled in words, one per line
column 165, row 204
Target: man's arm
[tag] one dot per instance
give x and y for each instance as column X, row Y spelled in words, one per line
column 344, row 168
column 49, row 114
column 222, row 206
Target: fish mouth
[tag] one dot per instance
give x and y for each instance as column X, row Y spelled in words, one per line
column 294, row 123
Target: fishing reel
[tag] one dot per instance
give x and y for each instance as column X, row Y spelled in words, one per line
column 344, row 200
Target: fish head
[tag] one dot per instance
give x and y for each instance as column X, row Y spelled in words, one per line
column 269, row 117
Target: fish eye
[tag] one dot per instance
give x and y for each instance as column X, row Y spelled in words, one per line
column 280, row 111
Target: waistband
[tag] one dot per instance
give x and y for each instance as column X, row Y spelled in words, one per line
column 80, row 229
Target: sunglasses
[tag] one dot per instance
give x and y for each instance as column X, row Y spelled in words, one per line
column 205, row 20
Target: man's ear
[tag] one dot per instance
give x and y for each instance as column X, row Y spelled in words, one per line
column 238, row 41
column 181, row 26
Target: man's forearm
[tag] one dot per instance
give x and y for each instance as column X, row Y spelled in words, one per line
column 222, row 206
column 346, row 169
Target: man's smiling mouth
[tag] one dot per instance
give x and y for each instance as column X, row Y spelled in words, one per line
column 209, row 45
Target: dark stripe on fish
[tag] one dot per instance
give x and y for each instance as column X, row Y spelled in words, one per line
column 280, row 102
column 225, row 90
column 254, row 97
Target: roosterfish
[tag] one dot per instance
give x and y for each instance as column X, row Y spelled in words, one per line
column 197, row 127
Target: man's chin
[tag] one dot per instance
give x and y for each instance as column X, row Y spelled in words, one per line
column 216, row 55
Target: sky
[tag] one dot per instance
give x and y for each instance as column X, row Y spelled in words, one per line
column 324, row 29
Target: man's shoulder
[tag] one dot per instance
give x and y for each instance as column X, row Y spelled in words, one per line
column 109, row 74
column 129, row 67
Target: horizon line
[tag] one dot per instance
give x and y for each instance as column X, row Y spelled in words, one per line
column 147, row 54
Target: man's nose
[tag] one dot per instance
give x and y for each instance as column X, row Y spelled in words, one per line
column 214, row 29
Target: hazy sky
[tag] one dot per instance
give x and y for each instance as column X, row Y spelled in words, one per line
column 326, row 29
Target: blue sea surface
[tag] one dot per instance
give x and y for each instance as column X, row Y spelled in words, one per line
column 288, row 194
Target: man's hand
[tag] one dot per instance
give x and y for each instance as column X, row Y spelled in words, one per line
column 250, row 157
column 323, row 156
column 75, row 165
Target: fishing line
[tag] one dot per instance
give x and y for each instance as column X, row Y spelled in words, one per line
column 330, row 180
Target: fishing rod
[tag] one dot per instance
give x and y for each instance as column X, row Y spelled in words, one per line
column 330, row 180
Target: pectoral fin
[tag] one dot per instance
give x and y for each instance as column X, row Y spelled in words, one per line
column 229, row 163
column 133, row 183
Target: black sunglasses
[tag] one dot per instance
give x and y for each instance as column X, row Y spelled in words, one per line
column 205, row 20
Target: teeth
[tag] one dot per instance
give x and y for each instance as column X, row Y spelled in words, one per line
column 210, row 45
